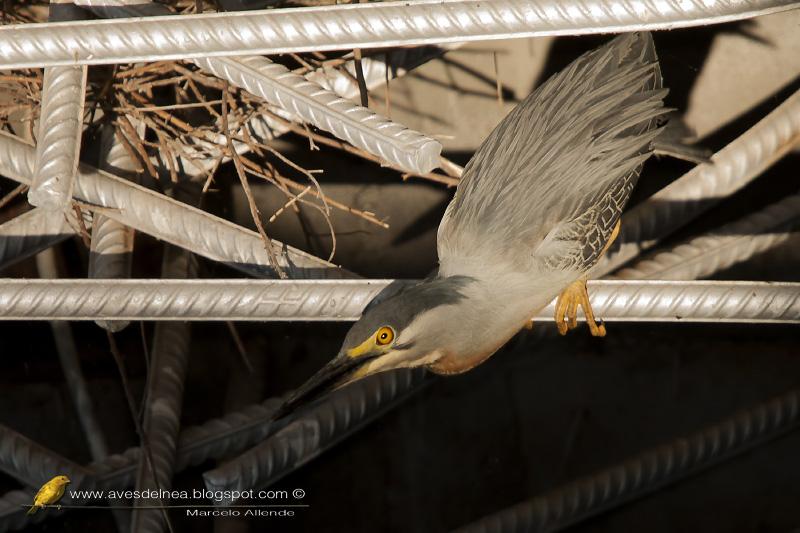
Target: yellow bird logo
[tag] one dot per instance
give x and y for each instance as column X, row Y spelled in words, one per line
column 50, row 493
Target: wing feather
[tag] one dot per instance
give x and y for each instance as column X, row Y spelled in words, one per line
column 559, row 166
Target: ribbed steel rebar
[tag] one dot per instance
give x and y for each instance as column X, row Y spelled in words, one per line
column 112, row 244
column 164, row 394
column 647, row 471
column 214, row 439
column 733, row 243
column 368, row 25
column 33, row 231
column 326, row 300
column 393, row 142
column 58, row 142
column 33, row 464
column 401, row 62
column 218, row 438
column 705, row 185
column 71, row 366
column 171, row 221
column 110, row 257
column 312, row 103
column 111, row 250
column 315, row 430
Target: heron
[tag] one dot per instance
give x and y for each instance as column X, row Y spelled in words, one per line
column 537, row 205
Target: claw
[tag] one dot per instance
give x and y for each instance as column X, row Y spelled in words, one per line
column 566, row 314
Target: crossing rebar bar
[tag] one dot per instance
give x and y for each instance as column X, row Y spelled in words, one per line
column 329, row 300
column 169, row 220
column 111, row 250
column 315, row 430
column 733, row 243
column 705, row 185
column 33, row 464
column 58, row 143
column 310, row 102
column 367, row 25
column 648, row 471
column 407, row 149
column 218, row 438
column 214, row 439
column 71, row 365
column 164, row 393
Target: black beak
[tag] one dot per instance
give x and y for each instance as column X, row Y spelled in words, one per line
column 327, row 379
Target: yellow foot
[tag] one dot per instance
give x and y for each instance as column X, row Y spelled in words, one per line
column 567, row 310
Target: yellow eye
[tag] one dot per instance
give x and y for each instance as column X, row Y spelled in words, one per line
column 384, row 336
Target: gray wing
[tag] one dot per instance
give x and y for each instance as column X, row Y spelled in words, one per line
column 550, row 181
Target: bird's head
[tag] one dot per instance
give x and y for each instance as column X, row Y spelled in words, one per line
column 61, row 480
column 405, row 326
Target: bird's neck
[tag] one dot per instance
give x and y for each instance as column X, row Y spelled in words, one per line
column 492, row 312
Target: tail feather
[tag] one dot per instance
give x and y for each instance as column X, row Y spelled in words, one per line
column 32, row 510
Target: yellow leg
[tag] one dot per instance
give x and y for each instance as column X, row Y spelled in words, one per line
column 567, row 309
column 576, row 295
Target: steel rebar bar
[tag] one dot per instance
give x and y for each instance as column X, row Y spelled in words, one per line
column 315, row 430
column 393, row 142
column 367, row 25
column 71, row 366
column 169, row 220
column 705, row 185
column 648, row 471
column 33, row 464
column 329, row 300
column 111, row 250
column 215, row 439
column 33, row 231
column 164, row 394
column 58, row 142
column 733, row 243
column 407, row 149
column 400, row 63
